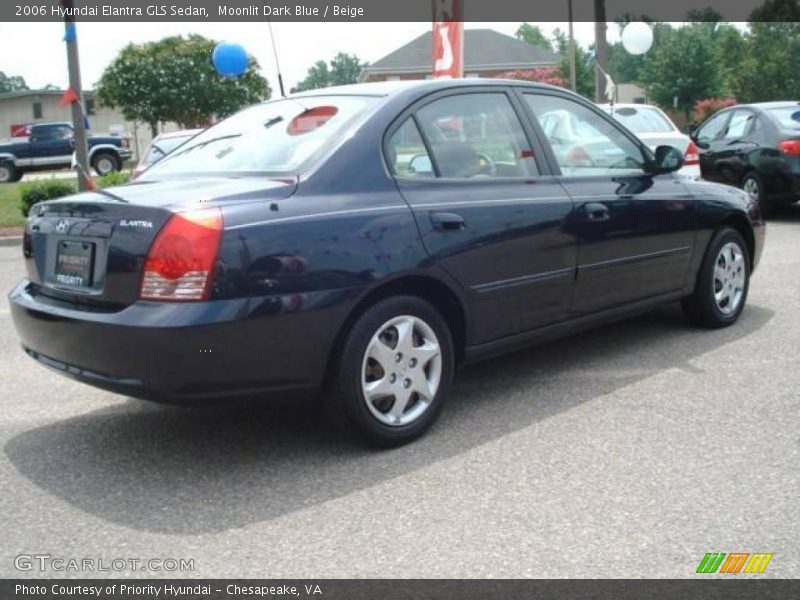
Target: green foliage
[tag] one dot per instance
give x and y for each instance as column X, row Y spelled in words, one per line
column 45, row 189
column 770, row 55
column 344, row 69
column 625, row 67
column 683, row 66
column 113, row 178
column 584, row 65
column 174, row 80
column 533, row 35
column 12, row 83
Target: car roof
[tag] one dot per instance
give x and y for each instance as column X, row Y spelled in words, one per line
column 630, row 105
column 768, row 105
column 390, row 88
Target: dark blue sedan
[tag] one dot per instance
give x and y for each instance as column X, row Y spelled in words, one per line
column 369, row 240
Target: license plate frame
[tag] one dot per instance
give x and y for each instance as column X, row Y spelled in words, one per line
column 74, row 263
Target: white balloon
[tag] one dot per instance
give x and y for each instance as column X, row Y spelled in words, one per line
column 637, row 37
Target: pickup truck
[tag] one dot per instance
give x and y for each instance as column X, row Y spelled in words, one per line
column 50, row 146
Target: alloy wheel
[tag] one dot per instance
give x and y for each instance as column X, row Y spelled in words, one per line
column 105, row 166
column 5, row 174
column 401, row 370
column 751, row 187
column 729, row 278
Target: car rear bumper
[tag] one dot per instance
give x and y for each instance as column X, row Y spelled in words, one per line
column 181, row 352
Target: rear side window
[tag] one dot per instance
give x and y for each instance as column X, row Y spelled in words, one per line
column 406, row 152
column 742, row 123
column 476, row 135
column 585, row 144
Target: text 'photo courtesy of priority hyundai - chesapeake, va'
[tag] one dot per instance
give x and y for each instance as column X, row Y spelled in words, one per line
column 400, row 300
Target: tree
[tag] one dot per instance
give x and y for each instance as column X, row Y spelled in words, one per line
column 13, row 83
column 533, row 35
column 625, row 67
column 174, row 80
column 682, row 67
column 584, row 64
column 344, row 69
column 772, row 44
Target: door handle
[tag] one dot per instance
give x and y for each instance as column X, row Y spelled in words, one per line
column 443, row 221
column 596, row 212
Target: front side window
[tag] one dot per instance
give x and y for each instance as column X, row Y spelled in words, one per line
column 584, row 143
column 740, row 125
column 476, row 135
column 272, row 138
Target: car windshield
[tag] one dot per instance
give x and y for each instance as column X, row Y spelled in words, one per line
column 160, row 148
column 272, row 138
column 642, row 120
column 788, row 117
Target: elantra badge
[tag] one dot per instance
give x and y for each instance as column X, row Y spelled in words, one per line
column 62, row 226
column 136, row 224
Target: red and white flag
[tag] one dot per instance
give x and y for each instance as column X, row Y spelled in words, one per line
column 448, row 39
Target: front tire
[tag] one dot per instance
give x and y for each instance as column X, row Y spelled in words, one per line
column 722, row 283
column 393, row 372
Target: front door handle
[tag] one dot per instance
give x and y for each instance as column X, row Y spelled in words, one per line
column 596, row 212
column 443, row 221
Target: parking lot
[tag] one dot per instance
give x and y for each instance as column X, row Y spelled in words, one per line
column 628, row 451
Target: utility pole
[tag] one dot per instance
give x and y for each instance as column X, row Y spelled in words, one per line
column 600, row 49
column 78, row 118
column 573, row 74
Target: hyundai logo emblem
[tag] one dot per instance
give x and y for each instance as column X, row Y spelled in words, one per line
column 62, row 226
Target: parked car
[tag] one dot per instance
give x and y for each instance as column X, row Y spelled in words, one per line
column 50, row 146
column 162, row 145
column 654, row 127
column 367, row 241
column 755, row 147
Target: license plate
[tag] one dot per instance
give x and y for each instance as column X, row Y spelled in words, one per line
column 74, row 262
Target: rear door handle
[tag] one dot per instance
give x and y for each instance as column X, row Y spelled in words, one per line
column 443, row 221
column 596, row 212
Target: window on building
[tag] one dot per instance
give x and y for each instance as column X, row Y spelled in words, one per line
column 90, row 110
column 37, row 110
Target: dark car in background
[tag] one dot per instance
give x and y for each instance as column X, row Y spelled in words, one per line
column 162, row 144
column 368, row 240
column 50, row 146
column 755, row 147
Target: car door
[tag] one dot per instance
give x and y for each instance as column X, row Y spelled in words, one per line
column 488, row 210
column 731, row 151
column 51, row 145
column 635, row 230
column 707, row 137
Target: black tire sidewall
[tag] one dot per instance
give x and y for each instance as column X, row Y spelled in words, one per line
column 705, row 286
column 347, row 395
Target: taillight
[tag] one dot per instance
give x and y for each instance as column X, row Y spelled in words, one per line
column 790, row 147
column 180, row 263
column 692, row 156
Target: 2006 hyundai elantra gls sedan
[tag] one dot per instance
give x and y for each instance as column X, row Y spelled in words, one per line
column 365, row 241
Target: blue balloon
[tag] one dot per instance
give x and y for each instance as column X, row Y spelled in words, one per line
column 230, row 60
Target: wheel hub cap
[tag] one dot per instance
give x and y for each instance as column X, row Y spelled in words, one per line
column 729, row 278
column 401, row 370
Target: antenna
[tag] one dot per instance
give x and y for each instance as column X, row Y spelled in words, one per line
column 277, row 64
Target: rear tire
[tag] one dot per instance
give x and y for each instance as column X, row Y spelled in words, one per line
column 9, row 173
column 722, row 283
column 104, row 163
column 393, row 372
column 754, row 187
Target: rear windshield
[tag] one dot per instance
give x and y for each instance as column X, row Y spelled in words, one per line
column 273, row 138
column 642, row 120
column 787, row 117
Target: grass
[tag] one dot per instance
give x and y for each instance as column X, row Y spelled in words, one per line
column 10, row 213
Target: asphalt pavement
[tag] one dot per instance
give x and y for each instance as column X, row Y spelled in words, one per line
column 627, row 451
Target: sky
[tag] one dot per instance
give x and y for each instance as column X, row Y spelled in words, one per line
column 36, row 50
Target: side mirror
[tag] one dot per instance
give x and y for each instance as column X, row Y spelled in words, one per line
column 668, row 159
column 421, row 163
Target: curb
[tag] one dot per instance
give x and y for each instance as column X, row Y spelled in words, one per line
column 10, row 241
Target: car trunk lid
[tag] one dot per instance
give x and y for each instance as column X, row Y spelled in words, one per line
column 90, row 249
